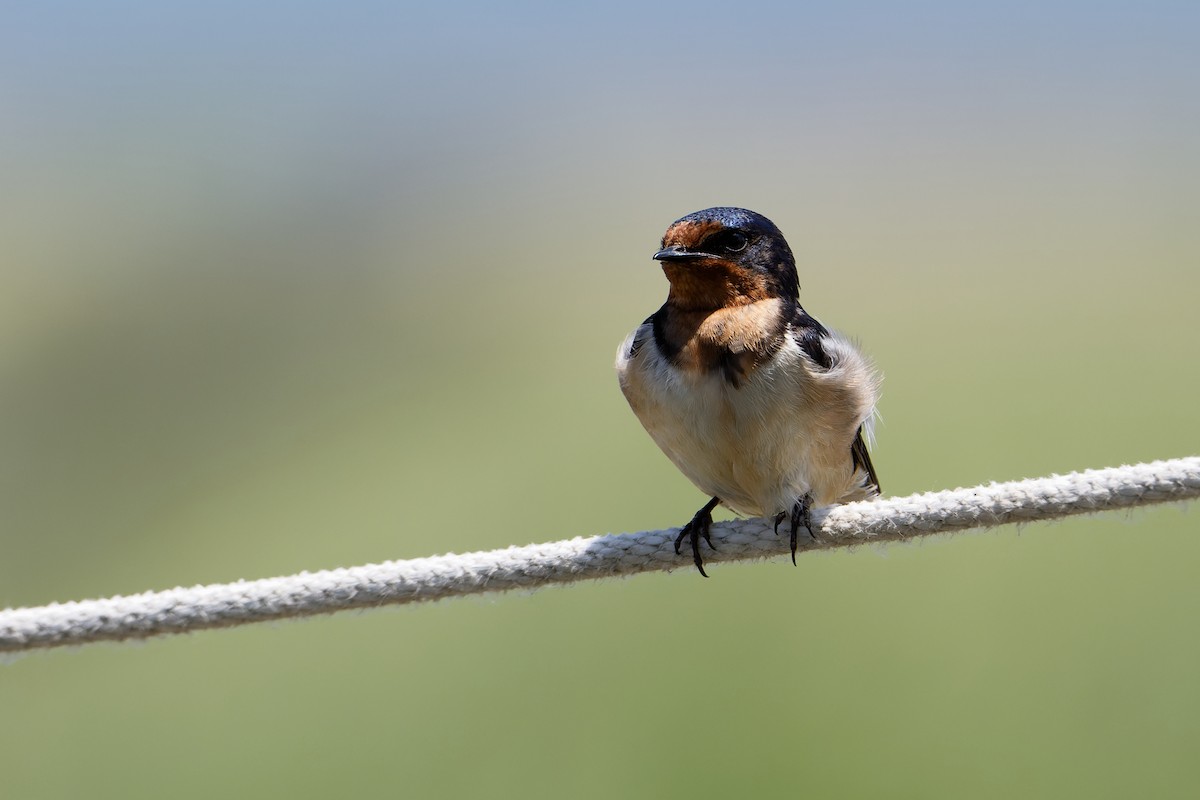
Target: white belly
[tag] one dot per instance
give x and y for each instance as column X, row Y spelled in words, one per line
column 784, row 433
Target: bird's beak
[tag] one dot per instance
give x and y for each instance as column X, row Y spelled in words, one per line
column 677, row 253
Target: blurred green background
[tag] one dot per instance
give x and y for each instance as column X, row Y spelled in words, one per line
column 296, row 286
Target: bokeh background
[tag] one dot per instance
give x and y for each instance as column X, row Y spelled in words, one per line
column 295, row 286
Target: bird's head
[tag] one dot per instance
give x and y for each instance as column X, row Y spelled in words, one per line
column 726, row 256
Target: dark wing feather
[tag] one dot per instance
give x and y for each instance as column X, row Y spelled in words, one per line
column 808, row 334
column 862, row 459
column 639, row 338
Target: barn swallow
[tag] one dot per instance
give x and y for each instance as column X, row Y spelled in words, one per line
column 762, row 407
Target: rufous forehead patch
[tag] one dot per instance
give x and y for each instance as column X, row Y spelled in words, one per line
column 689, row 233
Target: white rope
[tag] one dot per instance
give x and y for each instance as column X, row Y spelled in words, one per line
column 181, row 610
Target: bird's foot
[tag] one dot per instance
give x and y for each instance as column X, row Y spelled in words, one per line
column 801, row 516
column 699, row 526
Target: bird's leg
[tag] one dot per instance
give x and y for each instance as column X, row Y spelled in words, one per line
column 699, row 526
column 801, row 515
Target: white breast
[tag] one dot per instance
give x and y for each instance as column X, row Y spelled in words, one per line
column 785, row 432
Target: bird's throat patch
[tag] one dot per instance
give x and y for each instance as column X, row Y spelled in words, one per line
column 710, row 284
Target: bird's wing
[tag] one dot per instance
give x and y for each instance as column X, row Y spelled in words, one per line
column 862, row 459
column 639, row 336
column 809, row 333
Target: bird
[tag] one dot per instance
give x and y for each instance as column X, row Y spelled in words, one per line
column 758, row 404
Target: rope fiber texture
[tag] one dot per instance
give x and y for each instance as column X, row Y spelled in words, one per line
column 182, row 610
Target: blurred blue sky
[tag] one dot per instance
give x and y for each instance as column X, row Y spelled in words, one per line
column 270, row 96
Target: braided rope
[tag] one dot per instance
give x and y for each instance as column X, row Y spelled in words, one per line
column 423, row 579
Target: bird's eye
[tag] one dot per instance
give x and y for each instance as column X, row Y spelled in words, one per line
column 735, row 242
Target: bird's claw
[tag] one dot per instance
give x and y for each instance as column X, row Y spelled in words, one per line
column 801, row 516
column 700, row 525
